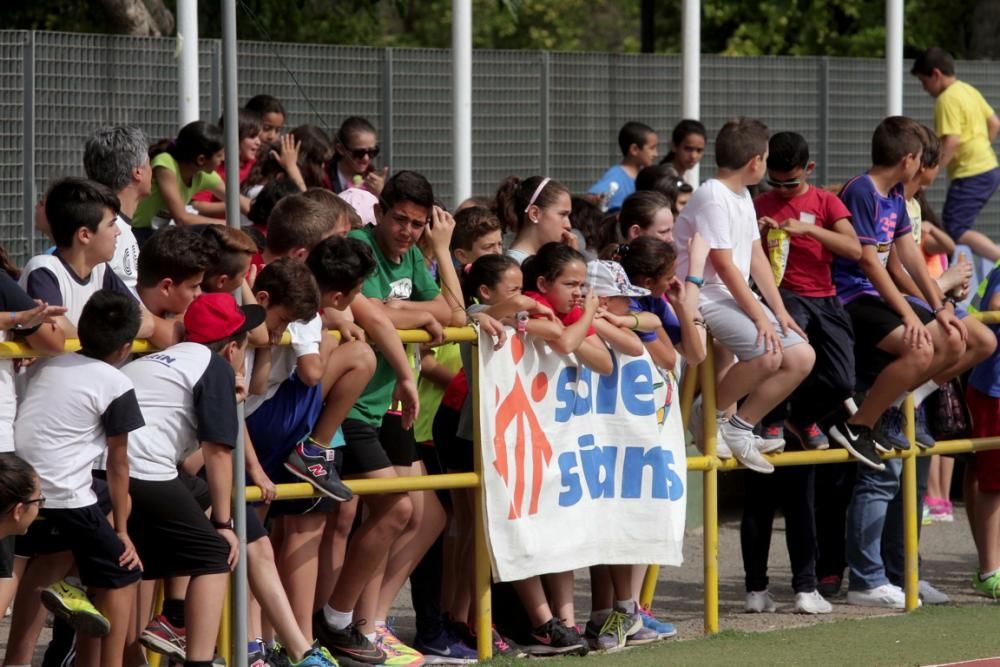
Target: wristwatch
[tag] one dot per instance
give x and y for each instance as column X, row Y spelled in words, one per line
column 223, row 525
column 522, row 321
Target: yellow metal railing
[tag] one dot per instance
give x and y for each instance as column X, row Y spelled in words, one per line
column 709, row 464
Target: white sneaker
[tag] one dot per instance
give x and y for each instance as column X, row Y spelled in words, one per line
column 886, row 596
column 698, row 432
column 768, row 445
column 741, row 444
column 931, row 595
column 759, row 602
column 811, row 603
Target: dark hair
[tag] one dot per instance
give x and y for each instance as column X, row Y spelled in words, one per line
column 353, row 125
column 549, row 263
column 108, row 321
column 894, row 139
column 633, row 132
column 514, row 194
column 586, row 216
column 250, row 123
column 268, row 197
column 934, row 58
column 407, row 186
column 472, row 224
column 314, row 151
column 264, row 104
column 487, row 270
column 289, row 283
column 229, row 247
column 740, row 141
column 931, row 155
column 340, row 264
column 663, row 178
column 176, row 253
column 72, row 203
column 194, row 139
column 8, row 265
column 216, row 345
column 645, row 257
column 787, row 151
column 17, row 480
column 297, row 222
column 639, row 208
column 682, row 131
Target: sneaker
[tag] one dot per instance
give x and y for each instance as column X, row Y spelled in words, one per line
column 772, row 438
column 397, row 653
column 921, row 434
column 276, row 655
column 642, row 636
column 71, row 604
column 886, row 596
column 926, row 518
column 501, row 645
column 766, row 446
column 829, row 586
column 698, row 432
column 162, row 637
column 445, row 649
column 931, row 595
column 317, row 468
column 989, row 587
column 814, row 439
column 554, row 638
column 611, row 635
column 348, row 643
column 257, row 659
column 857, row 440
column 741, row 444
column 811, row 603
column 317, row 656
column 940, row 511
column 663, row 629
column 759, row 602
column 890, row 430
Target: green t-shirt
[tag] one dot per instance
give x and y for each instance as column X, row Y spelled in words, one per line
column 410, row 280
column 449, row 356
column 153, row 206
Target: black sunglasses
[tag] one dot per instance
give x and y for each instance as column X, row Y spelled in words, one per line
column 787, row 185
column 358, row 153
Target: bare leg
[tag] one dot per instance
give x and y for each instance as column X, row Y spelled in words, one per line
column 987, row 528
column 116, row 604
column 333, row 549
column 29, row 616
column 602, row 595
column 795, row 364
column 348, row 370
column 560, row 587
column 980, row 244
column 299, row 558
column 461, row 560
column 533, row 598
column 908, row 370
column 266, row 587
column 203, row 613
column 970, row 493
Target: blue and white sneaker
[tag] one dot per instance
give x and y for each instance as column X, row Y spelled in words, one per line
column 663, row 629
column 445, row 649
column 921, row 434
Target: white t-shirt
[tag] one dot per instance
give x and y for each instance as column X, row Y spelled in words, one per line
column 71, row 406
column 727, row 221
column 126, row 258
column 187, row 394
column 49, row 278
column 12, row 299
column 306, row 337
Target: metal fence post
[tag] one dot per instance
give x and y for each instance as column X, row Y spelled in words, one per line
column 543, row 112
column 28, row 139
column 386, row 133
column 215, row 85
column 484, row 602
column 823, row 97
column 911, row 541
column 711, row 491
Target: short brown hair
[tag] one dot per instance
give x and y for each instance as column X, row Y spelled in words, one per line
column 471, row 224
column 894, row 139
column 290, row 284
column 229, row 243
column 335, row 207
column 297, row 221
column 740, row 141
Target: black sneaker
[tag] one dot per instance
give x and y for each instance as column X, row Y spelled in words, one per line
column 554, row 638
column 348, row 643
column 318, row 470
column 829, row 586
column 857, row 440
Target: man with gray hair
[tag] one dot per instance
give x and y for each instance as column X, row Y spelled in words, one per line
column 117, row 156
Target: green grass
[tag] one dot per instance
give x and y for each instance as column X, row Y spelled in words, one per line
column 927, row 636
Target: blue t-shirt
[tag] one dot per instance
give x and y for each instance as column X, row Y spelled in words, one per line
column 626, row 186
column 985, row 377
column 878, row 221
column 662, row 309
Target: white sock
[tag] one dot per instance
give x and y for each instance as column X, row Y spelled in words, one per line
column 921, row 393
column 986, row 575
column 338, row 620
column 851, row 406
column 73, row 580
column 370, row 636
column 898, row 403
column 598, row 616
column 380, row 624
column 628, row 606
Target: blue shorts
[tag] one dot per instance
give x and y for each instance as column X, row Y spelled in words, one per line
column 960, row 312
column 966, row 199
column 283, row 421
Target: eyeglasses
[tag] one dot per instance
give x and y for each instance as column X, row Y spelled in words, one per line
column 359, row 153
column 786, row 185
column 40, row 500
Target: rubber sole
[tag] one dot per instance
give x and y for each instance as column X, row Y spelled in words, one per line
column 82, row 622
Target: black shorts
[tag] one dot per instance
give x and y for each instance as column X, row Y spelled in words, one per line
column 873, row 320
column 42, row 538
column 455, row 452
column 399, row 444
column 86, row 532
column 171, row 532
column 7, row 557
column 197, row 485
column 363, row 452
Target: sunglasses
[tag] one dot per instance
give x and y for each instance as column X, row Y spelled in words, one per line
column 359, row 153
column 786, row 185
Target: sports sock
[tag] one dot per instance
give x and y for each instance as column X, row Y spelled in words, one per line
column 740, row 423
column 370, row 636
column 338, row 620
column 986, row 575
column 628, row 606
column 380, row 624
column 598, row 616
column 173, row 610
column 921, row 393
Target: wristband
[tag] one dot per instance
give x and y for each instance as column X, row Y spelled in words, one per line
column 635, row 327
column 695, row 280
column 938, row 310
column 223, row 525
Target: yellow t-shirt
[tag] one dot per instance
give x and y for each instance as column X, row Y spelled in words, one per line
column 961, row 110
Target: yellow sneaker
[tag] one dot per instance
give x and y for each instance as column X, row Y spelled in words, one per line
column 397, row 653
column 72, row 605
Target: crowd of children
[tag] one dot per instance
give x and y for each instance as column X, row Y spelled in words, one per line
column 826, row 308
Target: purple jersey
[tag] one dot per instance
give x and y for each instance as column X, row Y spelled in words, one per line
column 878, row 222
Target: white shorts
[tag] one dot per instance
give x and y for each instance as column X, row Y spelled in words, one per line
column 734, row 329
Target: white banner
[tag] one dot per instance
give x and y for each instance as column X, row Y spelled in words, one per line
column 580, row 469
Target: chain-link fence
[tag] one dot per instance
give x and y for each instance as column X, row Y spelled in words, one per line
column 552, row 113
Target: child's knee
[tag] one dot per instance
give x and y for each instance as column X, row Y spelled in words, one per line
column 400, row 512
column 769, row 362
column 799, row 359
column 362, row 356
column 919, row 358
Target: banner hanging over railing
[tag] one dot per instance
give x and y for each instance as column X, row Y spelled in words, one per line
column 578, row 469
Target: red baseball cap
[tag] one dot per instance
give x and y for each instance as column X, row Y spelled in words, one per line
column 215, row 316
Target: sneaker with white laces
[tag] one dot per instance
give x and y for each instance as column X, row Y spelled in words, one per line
column 771, row 438
column 769, row 445
column 931, row 595
column 698, row 431
column 812, row 603
column 759, row 602
column 886, row 596
column 741, row 444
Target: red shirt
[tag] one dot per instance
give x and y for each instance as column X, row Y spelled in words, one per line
column 572, row 317
column 807, row 271
column 245, row 168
